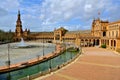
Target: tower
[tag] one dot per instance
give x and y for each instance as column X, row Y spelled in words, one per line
column 18, row 30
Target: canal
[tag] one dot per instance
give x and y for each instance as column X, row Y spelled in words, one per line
column 39, row 68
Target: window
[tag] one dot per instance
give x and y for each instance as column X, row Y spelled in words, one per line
column 116, row 33
column 104, row 34
column 109, row 33
column 112, row 33
column 104, row 28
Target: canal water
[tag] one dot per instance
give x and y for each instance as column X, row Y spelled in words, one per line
column 39, row 68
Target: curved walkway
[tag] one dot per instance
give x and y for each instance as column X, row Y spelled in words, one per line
column 94, row 64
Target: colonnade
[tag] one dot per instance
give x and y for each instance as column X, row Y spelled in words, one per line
column 89, row 42
column 110, row 43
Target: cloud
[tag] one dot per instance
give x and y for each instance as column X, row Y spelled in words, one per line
column 113, row 12
column 7, row 23
column 47, row 14
column 10, row 4
column 65, row 10
column 3, row 12
column 88, row 8
column 57, row 11
column 7, row 9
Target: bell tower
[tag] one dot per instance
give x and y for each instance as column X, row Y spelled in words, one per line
column 18, row 30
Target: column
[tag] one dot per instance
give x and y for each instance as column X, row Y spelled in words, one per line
column 100, row 42
column 95, row 42
column 88, row 43
column 92, row 42
column 84, row 43
column 109, row 44
column 113, row 44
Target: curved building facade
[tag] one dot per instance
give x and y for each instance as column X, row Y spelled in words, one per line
column 102, row 32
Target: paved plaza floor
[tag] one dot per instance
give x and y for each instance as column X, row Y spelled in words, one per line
column 93, row 64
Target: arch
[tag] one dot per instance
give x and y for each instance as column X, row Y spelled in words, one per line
column 111, row 42
column 107, row 42
column 82, row 42
column 101, row 41
column 94, row 42
column 86, row 42
column 97, row 42
column 114, row 43
column 86, row 39
column 17, row 39
column 104, row 33
column 57, row 37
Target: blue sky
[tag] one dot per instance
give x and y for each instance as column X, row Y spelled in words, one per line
column 46, row 15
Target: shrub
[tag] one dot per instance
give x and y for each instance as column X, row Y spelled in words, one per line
column 103, row 46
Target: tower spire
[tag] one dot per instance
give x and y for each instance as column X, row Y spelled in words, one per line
column 19, row 16
column 19, row 19
column 19, row 30
column 18, row 11
column 98, row 14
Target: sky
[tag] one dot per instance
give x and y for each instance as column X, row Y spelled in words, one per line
column 47, row 15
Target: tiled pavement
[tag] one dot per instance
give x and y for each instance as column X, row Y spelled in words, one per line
column 94, row 64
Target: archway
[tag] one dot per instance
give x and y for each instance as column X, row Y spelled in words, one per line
column 111, row 42
column 86, row 43
column 82, row 42
column 97, row 42
column 94, row 43
column 107, row 42
column 114, row 43
column 104, row 34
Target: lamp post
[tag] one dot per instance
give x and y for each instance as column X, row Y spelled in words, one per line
column 8, row 76
column 81, row 48
column 43, row 48
column 50, row 65
column 8, row 53
column 71, row 55
column 8, row 63
column 43, row 32
column 38, row 57
column 65, row 54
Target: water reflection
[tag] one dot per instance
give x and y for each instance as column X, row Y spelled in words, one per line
column 41, row 67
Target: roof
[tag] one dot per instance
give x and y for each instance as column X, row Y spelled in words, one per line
column 80, row 31
column 62, row 29
column 104, row 21
column 114, row 22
